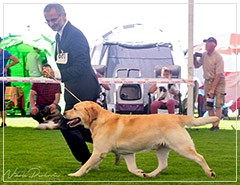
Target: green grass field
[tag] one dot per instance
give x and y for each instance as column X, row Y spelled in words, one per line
column 34, row 156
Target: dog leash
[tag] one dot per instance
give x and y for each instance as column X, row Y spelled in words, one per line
column 64, row 86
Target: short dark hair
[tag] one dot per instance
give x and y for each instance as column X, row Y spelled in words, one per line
column 58, row 7
column 1, row 39
column 46, row 65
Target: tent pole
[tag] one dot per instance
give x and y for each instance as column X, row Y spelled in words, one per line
column 190, row 109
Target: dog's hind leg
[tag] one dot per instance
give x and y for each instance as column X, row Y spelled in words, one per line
column 132, row 166
column 92, row 162
column 162, row 156
column 192, row 154
column 185, row 147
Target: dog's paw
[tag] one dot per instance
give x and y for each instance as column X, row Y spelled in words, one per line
column 73, row 175
column 41, row 126
column 52, row 126
column 212, row 174
column 141, row 173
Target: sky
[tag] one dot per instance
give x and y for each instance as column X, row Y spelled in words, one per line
column 211, row 17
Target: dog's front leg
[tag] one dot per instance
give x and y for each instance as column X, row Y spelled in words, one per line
column 93, row 161
column 132, row 166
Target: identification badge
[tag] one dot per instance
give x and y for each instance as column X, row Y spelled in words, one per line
column 62, row 58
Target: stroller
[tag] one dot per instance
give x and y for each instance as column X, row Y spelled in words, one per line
column 129, row 97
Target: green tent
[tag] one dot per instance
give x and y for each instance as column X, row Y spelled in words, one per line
column 20, row 46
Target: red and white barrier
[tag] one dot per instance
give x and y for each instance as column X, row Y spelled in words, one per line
column 102, row 80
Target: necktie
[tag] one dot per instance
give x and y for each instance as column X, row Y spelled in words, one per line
column 58, row 42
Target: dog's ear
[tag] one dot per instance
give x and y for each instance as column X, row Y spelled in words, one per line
column 92, row 112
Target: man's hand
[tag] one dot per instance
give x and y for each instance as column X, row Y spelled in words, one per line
column 211, row 93
column 34, row 110
column 52, row 107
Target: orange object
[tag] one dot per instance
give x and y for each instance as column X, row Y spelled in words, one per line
column 16, row 96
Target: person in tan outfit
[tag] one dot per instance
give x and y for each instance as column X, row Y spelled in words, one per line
column 213, row 73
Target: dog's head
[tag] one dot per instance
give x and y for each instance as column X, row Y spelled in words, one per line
column 45, row 112
column 84, row 113
column 55, row 116
column 49, row 115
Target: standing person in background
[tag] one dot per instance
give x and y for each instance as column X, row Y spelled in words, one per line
column 213, row 73
column 34, row 63
column 4, row 57
column 73, row 60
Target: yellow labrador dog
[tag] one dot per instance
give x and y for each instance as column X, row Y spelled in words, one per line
column 128, row 134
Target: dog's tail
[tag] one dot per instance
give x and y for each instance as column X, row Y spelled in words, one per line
column 201, row 121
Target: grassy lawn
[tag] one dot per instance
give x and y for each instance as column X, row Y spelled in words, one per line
column 31, row 156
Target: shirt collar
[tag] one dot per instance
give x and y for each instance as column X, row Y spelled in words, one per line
column 60, row 32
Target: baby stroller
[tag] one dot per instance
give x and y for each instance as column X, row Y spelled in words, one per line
column 129, row 97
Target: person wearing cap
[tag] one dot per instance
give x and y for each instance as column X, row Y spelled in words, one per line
column 5, row 56
column 213, row 74
column 167, row 96
column 34, row 63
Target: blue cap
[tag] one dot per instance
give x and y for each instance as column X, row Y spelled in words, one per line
column 210, row 39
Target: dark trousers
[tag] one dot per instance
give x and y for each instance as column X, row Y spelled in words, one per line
column 2, row 96
column 76, row 139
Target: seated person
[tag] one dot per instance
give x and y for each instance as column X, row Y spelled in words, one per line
column 44, row 94
column 167, row 96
